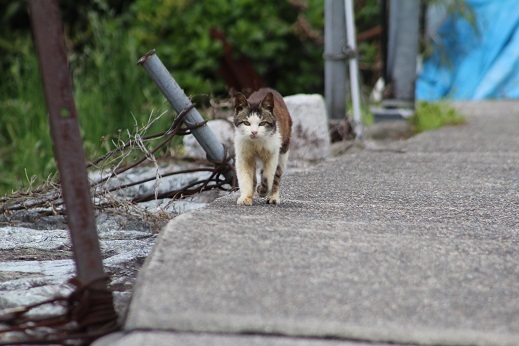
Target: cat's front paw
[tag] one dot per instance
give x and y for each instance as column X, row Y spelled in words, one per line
column 274, row 199
column 244, row 200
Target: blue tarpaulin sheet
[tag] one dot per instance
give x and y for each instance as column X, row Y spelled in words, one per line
column 474, row 62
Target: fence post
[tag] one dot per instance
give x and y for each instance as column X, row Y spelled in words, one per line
column 335, row 59
column 404, row 31
column 400, row 52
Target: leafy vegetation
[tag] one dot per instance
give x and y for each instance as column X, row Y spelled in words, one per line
column 107, row 98
column 283, row 39
column 430, row 116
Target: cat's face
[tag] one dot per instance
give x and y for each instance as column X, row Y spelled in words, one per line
column 254, row 121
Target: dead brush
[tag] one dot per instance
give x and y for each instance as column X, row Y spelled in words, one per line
column 133, row 150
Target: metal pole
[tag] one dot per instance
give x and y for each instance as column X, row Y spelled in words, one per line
column 404, row 29
column 178, row 99
column 384, row 38
column 335, row 55
column 68, row 148
column 354, row 67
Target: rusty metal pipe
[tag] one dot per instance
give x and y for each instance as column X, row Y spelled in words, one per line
column 68, row 147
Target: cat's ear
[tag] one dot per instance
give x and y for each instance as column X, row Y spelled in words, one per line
column 268, row 102
column 240, row 102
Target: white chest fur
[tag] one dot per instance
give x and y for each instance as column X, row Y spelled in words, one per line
column 260, row 147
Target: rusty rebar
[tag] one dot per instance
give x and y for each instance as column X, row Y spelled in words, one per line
column 68, row 151
column 84, row 308
column 68, row 147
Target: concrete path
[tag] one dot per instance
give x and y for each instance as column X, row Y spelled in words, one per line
column 416, row 243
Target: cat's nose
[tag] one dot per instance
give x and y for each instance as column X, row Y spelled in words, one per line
column 254, row 133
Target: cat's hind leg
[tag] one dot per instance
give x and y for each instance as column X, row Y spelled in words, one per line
column 263, row 188
column 255, row 180
column 267, row 177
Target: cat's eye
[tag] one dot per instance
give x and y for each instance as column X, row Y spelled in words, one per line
column 263, row 123
column 246, row 123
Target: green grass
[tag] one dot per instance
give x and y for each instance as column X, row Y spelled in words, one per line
column 111, row 93
column 430, row 116
column 24, row 130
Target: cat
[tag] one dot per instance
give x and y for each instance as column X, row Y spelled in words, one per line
column 262, row 133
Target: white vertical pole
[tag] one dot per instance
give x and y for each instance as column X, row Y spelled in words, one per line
column 354, row 67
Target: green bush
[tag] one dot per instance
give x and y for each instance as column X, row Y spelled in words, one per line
column 267, row 32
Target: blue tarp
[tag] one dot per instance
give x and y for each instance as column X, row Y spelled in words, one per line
column 471, row 63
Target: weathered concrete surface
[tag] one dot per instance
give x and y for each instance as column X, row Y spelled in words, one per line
column 417, row 243
column 36, row 264
column 164, row 338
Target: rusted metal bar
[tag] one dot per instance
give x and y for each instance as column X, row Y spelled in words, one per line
column 68, row 148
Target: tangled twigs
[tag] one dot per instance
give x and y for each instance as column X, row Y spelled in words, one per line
column 169, row 134
column 218, row 179
column 87, row 313
column 110, row 181
column 174, row 127
column 45, row 196
column 226, row 166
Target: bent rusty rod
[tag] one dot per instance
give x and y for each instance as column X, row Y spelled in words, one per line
column 68, row 148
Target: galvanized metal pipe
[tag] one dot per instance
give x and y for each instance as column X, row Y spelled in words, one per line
column 178, row 99
column 68, row 147
column 354, row 67
column 404, row 26
column 334, row 54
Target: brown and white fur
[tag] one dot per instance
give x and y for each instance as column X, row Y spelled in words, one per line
column 263, row 127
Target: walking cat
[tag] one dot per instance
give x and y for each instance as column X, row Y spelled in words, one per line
column 263, row 127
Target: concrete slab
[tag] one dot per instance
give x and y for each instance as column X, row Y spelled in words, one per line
column 162, row 338
column 418, row 244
